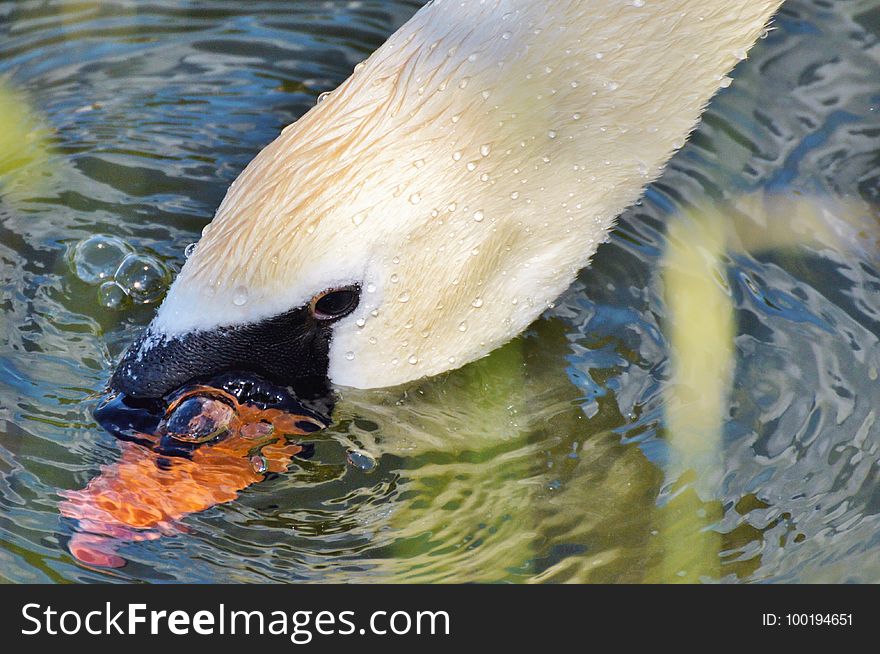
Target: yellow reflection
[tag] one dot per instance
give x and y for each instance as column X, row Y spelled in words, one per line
column 701, row 330
column 24, row 145
column 700, row 333
column 766, row 222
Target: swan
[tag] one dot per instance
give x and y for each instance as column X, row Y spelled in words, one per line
column 432, row 206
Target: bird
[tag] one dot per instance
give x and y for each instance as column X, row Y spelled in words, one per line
column 431, row 207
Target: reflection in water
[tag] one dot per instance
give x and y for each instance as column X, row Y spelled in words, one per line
column 502, row 476
column 700, row 328
column 24, row 145
column 565, row 456
column 208, row 450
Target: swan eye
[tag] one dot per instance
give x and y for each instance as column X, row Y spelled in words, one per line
column 335, row 303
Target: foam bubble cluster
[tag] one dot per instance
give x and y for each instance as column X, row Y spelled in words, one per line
column 123, row 276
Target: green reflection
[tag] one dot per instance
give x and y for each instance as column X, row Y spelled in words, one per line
column 480, row 499
column 24, row 145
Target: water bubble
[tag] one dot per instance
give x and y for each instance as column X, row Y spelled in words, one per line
column 552, row 134
column 96, row 258
column 477, row 303
column 403, row 297
column 485, row 149
column 415, row 198
column 456, row 156
column 323, row 96
column 189, row 249
column 395, row 278
column 199, row 419
column 256, row 430
column 142, row 277
column 451, row 359
column 478, row 216
column 506, row 35
column 471, row 166
column 413, row 360
column 112, row 296
column 349, row 356
column 259, row 463
column 371, row 288
column 360, row 322
column 638, row 3
column 360, row 460
column 462, row 327
column 514, row 195
column 240, row 296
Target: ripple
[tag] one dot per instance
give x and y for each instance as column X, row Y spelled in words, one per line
column 548, row 460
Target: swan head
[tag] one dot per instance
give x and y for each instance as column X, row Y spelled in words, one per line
column 432, row 206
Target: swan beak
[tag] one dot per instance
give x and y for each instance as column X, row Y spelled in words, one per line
column 274, row 363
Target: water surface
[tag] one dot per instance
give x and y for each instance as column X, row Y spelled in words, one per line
column 559, row 457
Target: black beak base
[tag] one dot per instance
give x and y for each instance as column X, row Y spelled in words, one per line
column 275, row 362
column 290, row 350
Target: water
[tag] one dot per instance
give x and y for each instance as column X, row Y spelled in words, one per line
column 560, row 457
